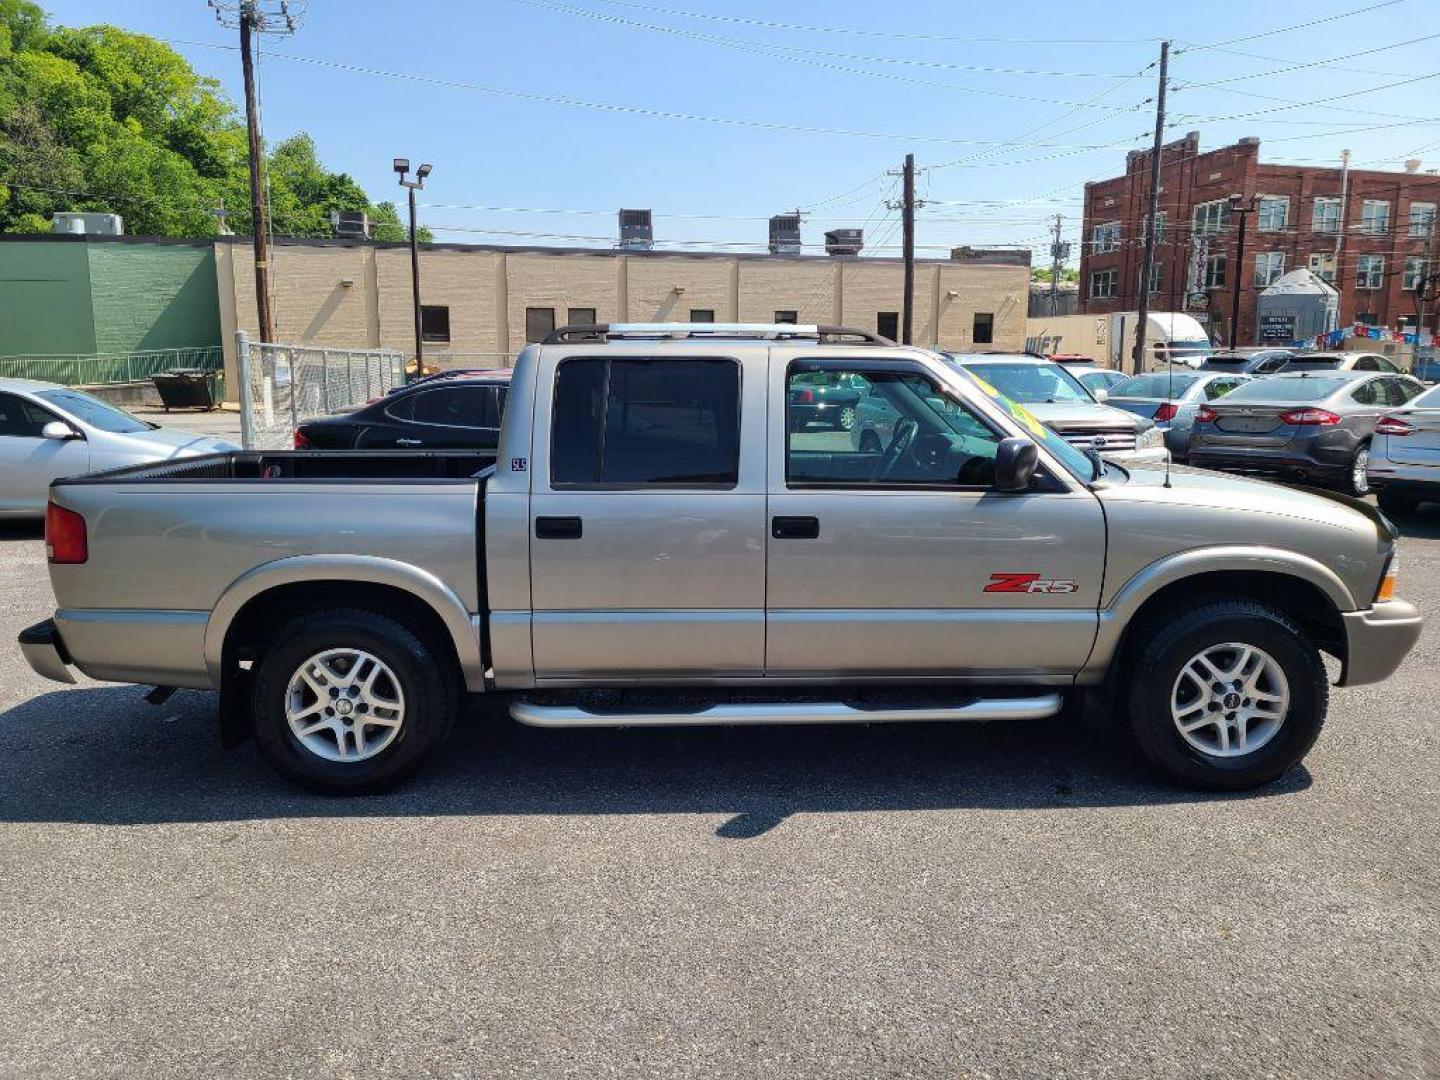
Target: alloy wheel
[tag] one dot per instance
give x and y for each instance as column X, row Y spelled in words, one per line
column 1229, row 700
column 344, row 705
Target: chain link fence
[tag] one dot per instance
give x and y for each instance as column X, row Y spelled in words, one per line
column 107, row 369
column 282, row 386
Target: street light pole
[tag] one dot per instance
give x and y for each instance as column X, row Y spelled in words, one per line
column 1238, row 205
column 402, row 168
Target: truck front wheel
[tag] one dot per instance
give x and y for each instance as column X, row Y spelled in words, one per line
column 349, row 702
column 1227, row 695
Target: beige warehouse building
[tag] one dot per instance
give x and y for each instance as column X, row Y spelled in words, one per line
column 483, row 303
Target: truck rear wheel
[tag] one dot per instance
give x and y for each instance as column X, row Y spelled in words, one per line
column 1228, row 695
column 349, row 702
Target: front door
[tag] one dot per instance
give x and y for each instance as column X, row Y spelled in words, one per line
column 647, row 520
column 28, row 460
column 891, row 556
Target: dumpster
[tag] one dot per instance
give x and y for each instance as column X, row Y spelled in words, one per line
column 186, row 388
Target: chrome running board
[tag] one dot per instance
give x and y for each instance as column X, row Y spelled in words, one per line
column 817, row 712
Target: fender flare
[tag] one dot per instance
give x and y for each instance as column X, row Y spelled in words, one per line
column 304, row 569
column 1127, row 601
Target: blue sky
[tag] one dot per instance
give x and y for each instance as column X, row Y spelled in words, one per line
column 1004, row 105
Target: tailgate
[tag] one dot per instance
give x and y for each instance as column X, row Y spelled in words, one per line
column 1420, row 447
column 1249, row 425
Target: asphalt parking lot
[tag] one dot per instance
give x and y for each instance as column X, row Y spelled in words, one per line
column 938, row 900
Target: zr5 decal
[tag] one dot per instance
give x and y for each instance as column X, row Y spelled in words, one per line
column 1029, row 583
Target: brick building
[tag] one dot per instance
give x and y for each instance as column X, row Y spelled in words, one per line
column 1365, row 231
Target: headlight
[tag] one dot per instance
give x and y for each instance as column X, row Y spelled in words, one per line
column 1150, row 439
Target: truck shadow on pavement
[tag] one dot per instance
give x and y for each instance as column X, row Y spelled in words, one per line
column 99, row 755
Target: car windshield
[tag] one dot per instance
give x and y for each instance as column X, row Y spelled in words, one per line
column 1324, row 363
column 1286, row 390
column 1158, row 385
column 1227, row 361
column 1033, row 384
column 91, row 410
column 1072, row 459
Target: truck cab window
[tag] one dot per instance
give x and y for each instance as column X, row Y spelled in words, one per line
column 637, row 422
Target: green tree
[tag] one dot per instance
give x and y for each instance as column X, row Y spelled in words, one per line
column 101, row 119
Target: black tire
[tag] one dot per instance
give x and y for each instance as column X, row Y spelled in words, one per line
column 1152, row 677
column 427, row 681
column 1393, row 502
column 1349, row 483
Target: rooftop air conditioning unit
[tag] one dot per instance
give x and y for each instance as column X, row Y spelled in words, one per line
column 350, row 224
column 83, row 224
column 844, row 241
column 637, row 232
column 785, row 234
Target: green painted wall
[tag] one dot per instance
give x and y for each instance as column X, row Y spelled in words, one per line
column 153, row 296
column 45, row 298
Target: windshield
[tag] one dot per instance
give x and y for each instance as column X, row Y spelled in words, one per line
column 1286, row 390
column 91, row 410
column 1033, row 384
column 1072, row 459
column 1154, row 386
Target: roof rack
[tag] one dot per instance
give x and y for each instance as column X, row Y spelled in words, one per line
column 704, row 331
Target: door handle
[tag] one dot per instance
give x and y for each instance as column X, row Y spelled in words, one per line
column 558, row 528
column 795, row 528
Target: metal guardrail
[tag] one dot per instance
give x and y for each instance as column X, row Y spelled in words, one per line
column 282, row 386
column 73, row 369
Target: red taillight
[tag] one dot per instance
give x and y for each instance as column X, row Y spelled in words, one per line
column 1167, row 412
column 65, row 540
column 1393, row 425
column 301, row 442
column 1309, row 417
column 804, row 397
column 1206, row 415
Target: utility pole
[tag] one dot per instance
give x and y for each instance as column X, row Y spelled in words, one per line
column 1238, row 205
column 1423, row 287
column 1147, row 267
column 253, row 17
column 1058, row 251
column 908, row 250
column 402, row 168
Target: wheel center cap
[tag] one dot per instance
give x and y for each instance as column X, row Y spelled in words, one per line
column 1232, row 700
column 343, row 707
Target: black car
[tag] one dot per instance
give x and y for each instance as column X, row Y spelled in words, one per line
column 825, row 397
column 1249, row 362
column 455, row 413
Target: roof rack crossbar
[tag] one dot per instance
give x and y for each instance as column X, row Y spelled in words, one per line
column 702, row 331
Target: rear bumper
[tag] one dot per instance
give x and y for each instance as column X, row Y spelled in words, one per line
column 1278, row 460
column 1397, row 476
column 1377, row 640
column 44, row 651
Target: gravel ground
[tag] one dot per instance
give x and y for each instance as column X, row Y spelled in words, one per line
column 958, row 901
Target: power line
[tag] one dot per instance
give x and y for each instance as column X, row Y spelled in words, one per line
column 1288, row 29
column 1310, row 63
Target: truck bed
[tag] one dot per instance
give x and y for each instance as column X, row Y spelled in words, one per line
column 304, row 465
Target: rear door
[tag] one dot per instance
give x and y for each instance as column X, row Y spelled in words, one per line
column 28, row 460
column 647, row 516
column 892, row 557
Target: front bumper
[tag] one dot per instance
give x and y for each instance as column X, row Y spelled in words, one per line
column 1377, row 640
column 45, row 652
column 1155, row 455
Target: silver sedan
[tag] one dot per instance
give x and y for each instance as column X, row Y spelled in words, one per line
column 49, row 431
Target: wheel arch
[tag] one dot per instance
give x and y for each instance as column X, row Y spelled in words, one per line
column 296, row 584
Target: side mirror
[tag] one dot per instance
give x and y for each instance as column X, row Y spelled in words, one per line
column 1101, row 393
column 1015, row 462
column 59, row 431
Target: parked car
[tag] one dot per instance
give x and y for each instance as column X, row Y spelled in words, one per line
column 1427, row 369
column 827, row 398
column 1059, row 401
column 1311, row 425
column 655, row 547
column 1249, row 361
column 1341, row 361
column 1405, row 454
column 49, row 431
column 1171, row 400
column 437, row 412
column 1099, row 381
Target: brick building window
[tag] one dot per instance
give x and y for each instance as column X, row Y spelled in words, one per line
column 539, row 321
column 982, row 331
column 700, row 314
column 1160, row 221
column 1104, row 284
column 1105, row 238
column 1422, row 218
column 580, row 316
column 1215, row 272
column 1414, row 270
column 1322, row 265
column 1155, row 277
column 1269, row 267
column 1212, row 217
column 887, row 324
column 1325, row 216
column 1375, row 216
column 1370, row 272
column 434, row 323
column 1274, row 213
column 787, row 316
